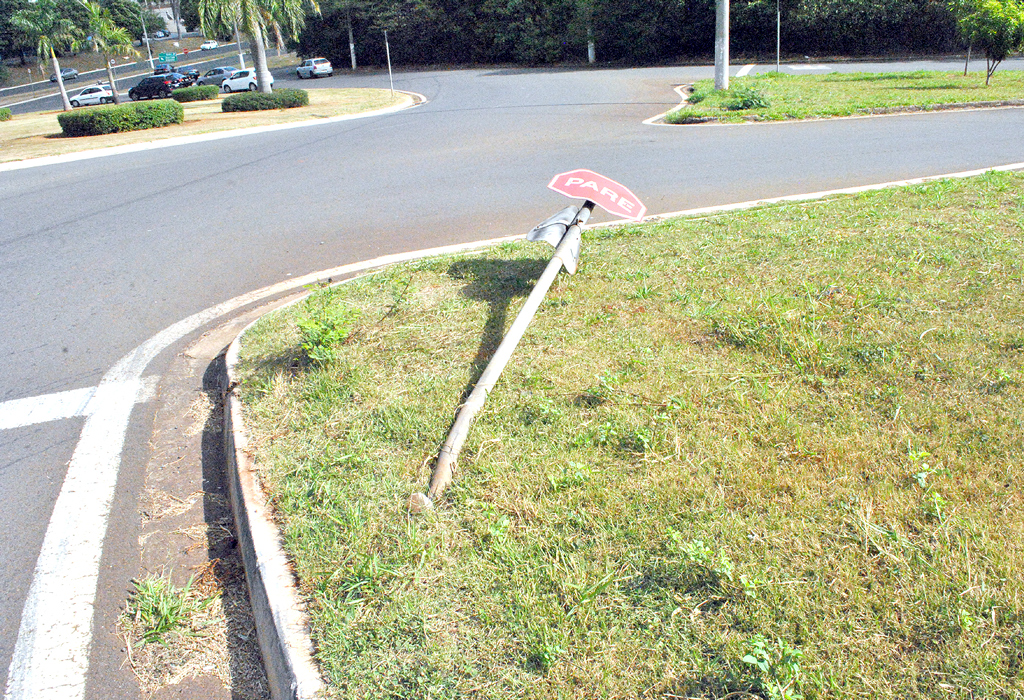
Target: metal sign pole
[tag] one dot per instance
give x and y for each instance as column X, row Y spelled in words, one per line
column 567, row 254
column 387, row 49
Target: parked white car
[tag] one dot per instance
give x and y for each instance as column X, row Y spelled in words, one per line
column 93, row 95
column 208, row 44
column 314, row 68
column 242, row 80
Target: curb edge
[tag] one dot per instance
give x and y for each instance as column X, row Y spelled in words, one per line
column 282, row 625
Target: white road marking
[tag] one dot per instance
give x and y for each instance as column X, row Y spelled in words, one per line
column 51, row 654
column 745, row 70
column 810, row 67
column 65, row 404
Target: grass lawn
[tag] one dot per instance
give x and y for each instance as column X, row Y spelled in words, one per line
column 38, row 134
column 777, row 96
column 771, row 454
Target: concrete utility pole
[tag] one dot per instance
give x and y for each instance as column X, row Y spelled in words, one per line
column 722, row 45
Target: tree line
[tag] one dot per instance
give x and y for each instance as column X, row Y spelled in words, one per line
column 634, row 32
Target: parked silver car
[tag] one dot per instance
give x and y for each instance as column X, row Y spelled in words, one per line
column 314, row 68
column 216, row 76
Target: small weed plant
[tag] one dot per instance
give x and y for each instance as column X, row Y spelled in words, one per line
column 160, row 609
column 776, row 667
column 747, row 97
column 323, row 326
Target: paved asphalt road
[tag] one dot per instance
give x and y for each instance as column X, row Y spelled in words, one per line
column 99, row 255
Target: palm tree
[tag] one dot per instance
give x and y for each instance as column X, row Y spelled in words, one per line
column 107, row 38
column 43, row 22
column 255, row 17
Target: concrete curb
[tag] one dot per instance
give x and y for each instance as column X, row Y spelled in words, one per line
column 282, row 624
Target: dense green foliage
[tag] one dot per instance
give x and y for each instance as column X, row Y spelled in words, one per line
column 629, row 31
column 126, row 14
column 195, row 93
column 5, row 114
column 283, row 98
column 127, row 117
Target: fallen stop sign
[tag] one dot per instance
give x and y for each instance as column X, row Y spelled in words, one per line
column 614, row 198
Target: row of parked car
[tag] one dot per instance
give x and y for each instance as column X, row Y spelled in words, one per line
column 227, row 78
column 166, row 79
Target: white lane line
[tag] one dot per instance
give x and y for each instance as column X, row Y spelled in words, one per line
column 65, row 404
column 745, row 70
column 51, row 653
column 810, row 67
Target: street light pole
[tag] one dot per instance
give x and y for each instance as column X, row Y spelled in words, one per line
column 722, row 45
column 778, row 33
column 145, row 37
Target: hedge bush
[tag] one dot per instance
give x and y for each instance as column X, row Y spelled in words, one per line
column 256, row 101
column 5, row 114
column 195, row 93
column 127, row 117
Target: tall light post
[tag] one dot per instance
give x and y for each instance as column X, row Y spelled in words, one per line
column 145, row 37
column 722, row 45
column 778, row 33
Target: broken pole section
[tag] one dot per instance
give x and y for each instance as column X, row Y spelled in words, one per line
column 567, row 254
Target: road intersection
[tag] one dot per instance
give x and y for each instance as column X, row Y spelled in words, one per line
column 112, row 264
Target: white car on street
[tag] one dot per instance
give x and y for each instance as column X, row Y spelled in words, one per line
column 242, row 80
column 93, row 95
column 314, row 68
column 209, row 44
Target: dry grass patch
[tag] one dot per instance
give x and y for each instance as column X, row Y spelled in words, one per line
column 38, row 134
column 771, row 454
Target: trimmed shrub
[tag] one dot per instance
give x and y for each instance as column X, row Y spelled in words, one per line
column 284, row 98
column 127, row 117
column 5, row 114
column 195, row 93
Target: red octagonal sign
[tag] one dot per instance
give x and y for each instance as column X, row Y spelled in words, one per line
column 614, row 198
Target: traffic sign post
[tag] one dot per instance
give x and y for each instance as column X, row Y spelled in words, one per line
column 563, row 231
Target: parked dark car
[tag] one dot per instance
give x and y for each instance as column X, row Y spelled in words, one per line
column 66, row 74
column 162, row 68
column 216, row 76
column 153, row 86
column 178, row 80
column 193, row 75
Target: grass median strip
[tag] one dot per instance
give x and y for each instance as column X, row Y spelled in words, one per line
column 775, row 453
column 778, row 96
column 38, row 134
